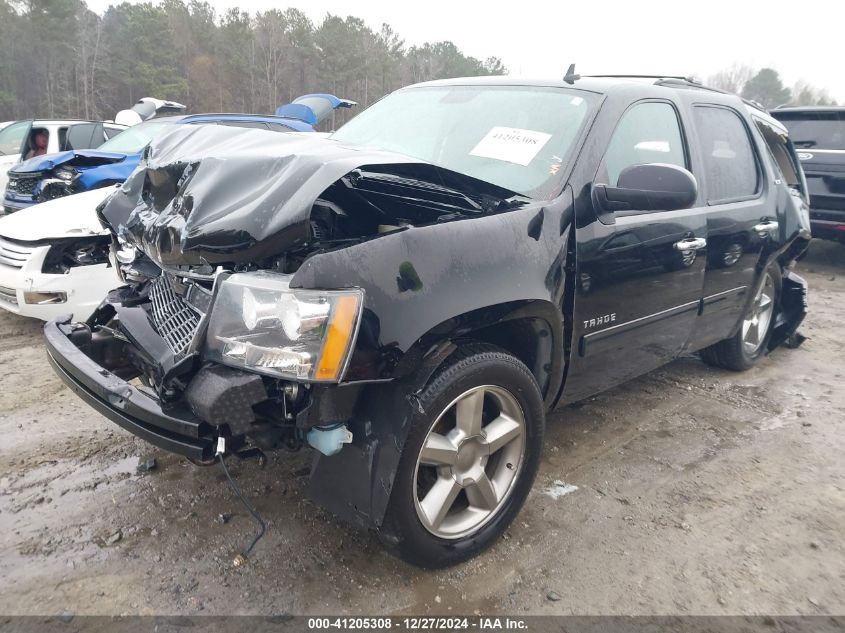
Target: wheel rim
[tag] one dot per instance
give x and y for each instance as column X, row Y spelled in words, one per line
column 732, row 254
column 469, row 462
column 756, row 323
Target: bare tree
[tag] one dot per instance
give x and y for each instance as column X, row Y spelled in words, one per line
column 732, row 79
column 805, row 94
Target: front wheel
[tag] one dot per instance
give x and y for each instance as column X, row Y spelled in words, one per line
column 743, row 350
column 469, row 460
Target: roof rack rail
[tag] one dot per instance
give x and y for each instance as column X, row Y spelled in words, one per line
column 689, row 79
column 755, row 104
column 750, row 102
column 675, row 80
column 685, row 81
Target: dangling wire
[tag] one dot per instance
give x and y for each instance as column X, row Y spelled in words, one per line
column 250, row 509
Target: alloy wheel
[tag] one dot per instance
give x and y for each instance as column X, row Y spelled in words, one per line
column 469, row 462
column 756, row 323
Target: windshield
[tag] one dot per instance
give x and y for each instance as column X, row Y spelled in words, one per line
column 817, row 130
column 513, row 136
column 135, row 138
column 12, row 136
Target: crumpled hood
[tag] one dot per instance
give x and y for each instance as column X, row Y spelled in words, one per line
column 87, row 157
column 212, row 195
column 71, row 216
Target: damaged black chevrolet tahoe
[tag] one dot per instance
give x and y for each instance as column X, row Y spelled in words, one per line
column 411, row 296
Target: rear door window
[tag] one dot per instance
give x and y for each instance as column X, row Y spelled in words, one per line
column 730, row 163
column 649, row 132
column 84, row 136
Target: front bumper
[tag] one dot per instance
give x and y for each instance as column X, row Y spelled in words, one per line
column 12, row 203
column 177, row 430
column 83, row 286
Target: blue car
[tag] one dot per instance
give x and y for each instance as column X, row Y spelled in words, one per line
column 56, row 175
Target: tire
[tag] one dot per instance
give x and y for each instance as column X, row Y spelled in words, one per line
column 735, row 353
column 481, row 378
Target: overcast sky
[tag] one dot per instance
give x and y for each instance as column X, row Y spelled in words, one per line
column 540, row 39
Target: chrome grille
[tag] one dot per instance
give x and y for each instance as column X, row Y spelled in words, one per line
column 173, row 319
column 15, row 254
column 23, row 186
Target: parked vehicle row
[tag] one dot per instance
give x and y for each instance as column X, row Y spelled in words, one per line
column 21, row 140
column 54, row 252
column 411, row 295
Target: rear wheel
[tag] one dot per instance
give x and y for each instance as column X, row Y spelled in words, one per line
column 748, row 345
column 469, row 460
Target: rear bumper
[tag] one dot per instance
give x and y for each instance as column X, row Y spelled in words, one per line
column 828, row 229
column 124, row 404
column 793, row 303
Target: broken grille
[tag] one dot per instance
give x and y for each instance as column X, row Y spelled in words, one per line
column 173, row 319
column 23, row 186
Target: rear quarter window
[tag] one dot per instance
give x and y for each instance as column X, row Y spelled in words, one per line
column 728, row 154
column 781, row 153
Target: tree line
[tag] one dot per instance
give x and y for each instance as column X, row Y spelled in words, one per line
column 60, row 59
column 766, row 87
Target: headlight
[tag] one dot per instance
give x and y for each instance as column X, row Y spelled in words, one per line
column 65, row 173
column 261, row 324
column 68, row 254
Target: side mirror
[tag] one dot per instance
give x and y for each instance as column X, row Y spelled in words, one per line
column 651, row 187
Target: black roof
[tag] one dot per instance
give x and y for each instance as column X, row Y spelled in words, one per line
column 599, row 84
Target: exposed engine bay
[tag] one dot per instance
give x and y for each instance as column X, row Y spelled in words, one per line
column 180, row 227
column 243, row 199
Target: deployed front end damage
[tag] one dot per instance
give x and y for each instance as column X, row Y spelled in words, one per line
column 211, row 236
column 204, row 198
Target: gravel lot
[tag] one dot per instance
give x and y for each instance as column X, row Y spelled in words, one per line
column 687, row 491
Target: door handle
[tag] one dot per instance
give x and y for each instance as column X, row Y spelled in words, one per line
column 690, row 244
column 766, row 228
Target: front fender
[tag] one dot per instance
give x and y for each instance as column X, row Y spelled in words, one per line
column 424, row 288
column 421, row 282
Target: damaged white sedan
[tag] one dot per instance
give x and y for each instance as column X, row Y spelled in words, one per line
column 54, row 258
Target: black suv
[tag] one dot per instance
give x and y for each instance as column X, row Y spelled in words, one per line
column 819, row 134
column 412, row 295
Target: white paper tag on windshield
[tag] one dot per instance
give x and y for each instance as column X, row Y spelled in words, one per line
column 511, row 144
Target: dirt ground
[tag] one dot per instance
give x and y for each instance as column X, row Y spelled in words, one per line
column 687, row 491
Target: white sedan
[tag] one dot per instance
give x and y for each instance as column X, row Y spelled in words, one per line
column 54, row 258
